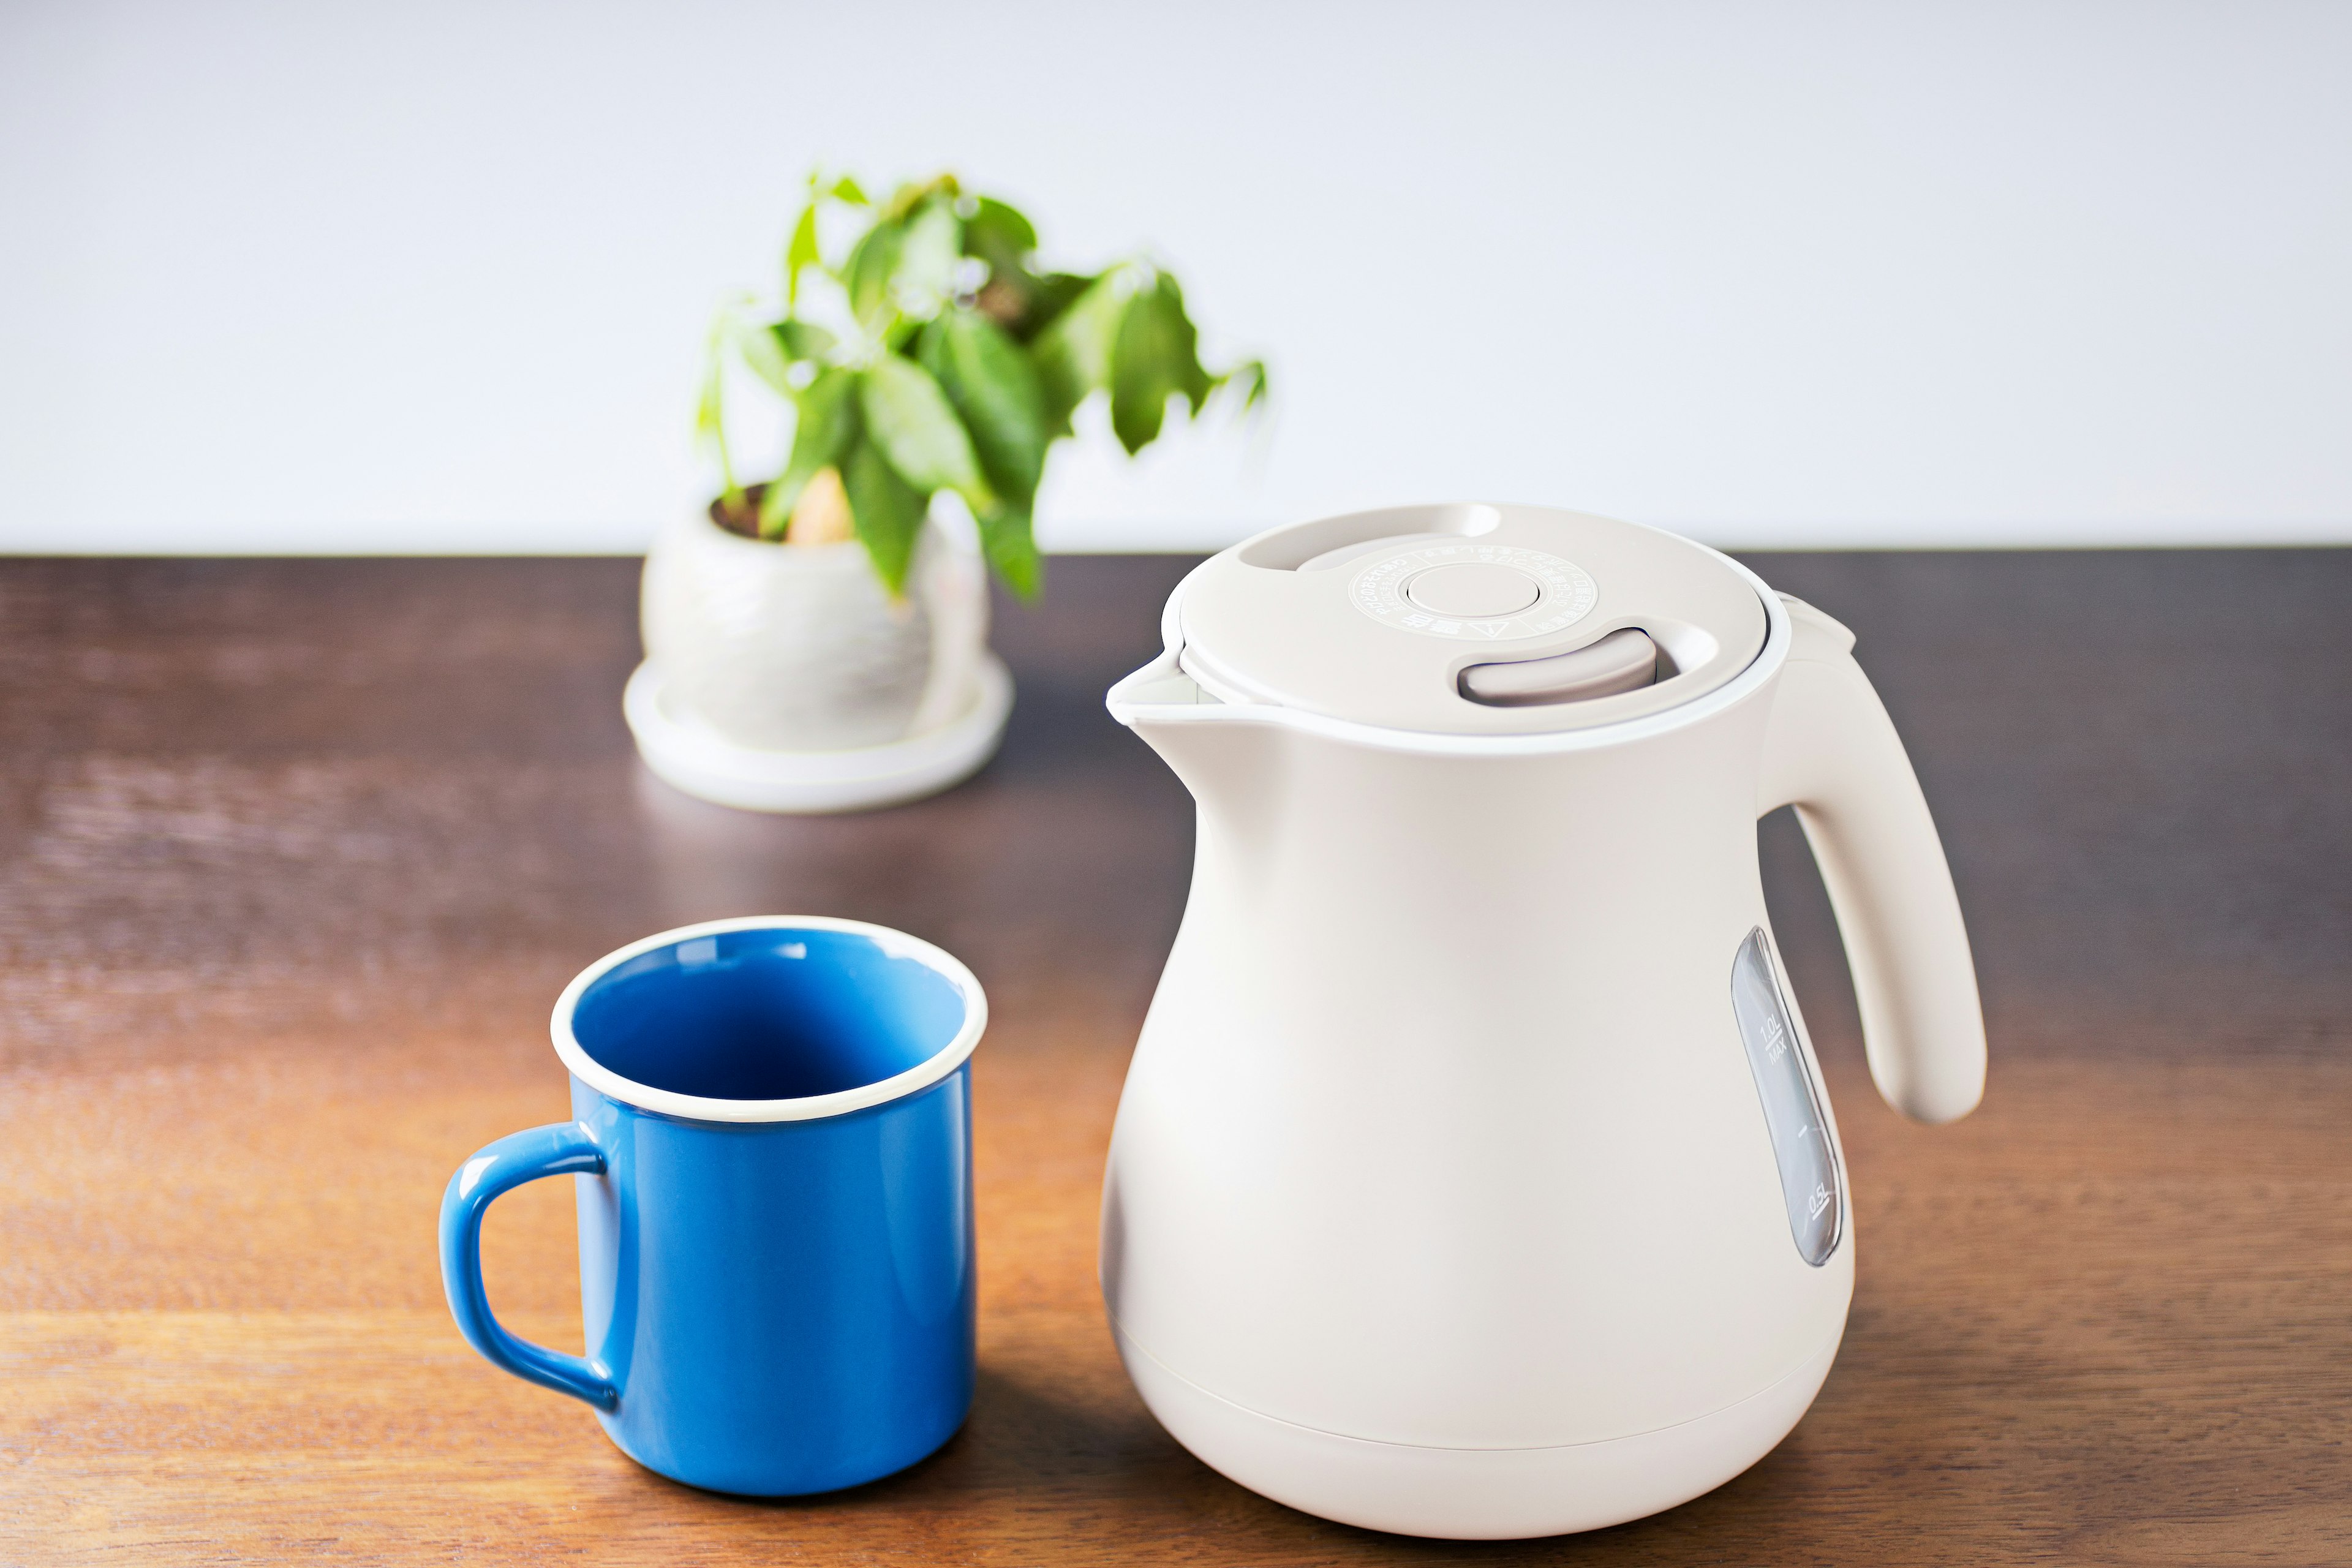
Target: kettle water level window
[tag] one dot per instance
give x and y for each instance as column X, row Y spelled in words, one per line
column 1792, row 1108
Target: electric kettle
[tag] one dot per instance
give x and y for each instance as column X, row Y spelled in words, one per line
column 1474, row 1176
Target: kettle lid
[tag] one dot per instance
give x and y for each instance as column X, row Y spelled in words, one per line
column 1469, row 619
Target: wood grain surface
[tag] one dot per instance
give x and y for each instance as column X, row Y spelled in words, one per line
column 294, row 858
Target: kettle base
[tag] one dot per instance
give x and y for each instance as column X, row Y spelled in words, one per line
column 1473, row 1494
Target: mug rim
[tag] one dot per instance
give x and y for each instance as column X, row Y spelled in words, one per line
column 806, row 1108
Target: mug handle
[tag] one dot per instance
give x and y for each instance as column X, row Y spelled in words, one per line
column 562, row 1148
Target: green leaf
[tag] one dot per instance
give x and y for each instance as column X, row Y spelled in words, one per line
column 1045, row 299
column 872, row 263
column 1000, row 235
column 888, row 512
column 1073, row 354
column 844, row 189
column 995, row 390
column 762, row 351
column 911, row 421
column 826, row 425
column 804, row 340
column 1156, row 354
column 916, row 192
column 1006, row 539
column 926, row 268
column 1250, row 377
column 799, row 253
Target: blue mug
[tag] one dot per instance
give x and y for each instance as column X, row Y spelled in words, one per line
column 772, row 1147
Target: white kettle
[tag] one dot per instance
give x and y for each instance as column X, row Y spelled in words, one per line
column 1474, row 1176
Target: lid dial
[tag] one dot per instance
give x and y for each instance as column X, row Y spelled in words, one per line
column 1418, row 618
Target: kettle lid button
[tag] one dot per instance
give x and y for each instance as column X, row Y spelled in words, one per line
column 1473, row 588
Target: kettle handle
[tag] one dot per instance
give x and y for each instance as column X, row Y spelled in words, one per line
column 1832, row 753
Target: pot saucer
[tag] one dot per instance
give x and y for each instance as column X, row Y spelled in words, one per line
column 685, row 752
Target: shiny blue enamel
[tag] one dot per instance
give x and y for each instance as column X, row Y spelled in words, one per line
column 771, row 1307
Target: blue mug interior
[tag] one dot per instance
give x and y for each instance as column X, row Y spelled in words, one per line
column 780, row 1013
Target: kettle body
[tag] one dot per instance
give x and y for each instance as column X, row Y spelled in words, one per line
column 1473, row 1176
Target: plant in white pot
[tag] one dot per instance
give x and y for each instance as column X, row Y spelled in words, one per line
column 818, row 641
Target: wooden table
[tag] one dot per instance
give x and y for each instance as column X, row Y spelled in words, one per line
column 298, row 854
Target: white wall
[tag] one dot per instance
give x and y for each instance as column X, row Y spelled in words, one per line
column 434, row 275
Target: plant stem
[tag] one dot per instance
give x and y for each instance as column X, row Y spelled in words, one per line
column 732, row 490
column 710, row 418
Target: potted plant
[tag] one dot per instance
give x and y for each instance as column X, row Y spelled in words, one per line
column 817, row 640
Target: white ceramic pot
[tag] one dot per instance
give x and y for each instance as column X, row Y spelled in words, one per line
column 799, row 649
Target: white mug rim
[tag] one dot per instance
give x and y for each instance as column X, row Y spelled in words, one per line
column 808, row 1108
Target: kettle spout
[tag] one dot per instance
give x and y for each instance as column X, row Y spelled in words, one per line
column 1163, row 683
column 1229, row 755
